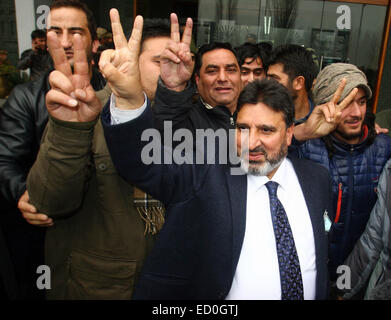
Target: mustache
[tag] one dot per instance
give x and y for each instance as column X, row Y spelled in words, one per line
column 255, row 150
column 355, row 118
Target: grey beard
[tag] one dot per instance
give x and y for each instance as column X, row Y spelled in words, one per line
column 268, row 166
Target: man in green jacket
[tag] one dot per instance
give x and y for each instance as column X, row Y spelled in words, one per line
column 98, row 232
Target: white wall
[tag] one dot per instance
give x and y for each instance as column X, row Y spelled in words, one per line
column 25, row 23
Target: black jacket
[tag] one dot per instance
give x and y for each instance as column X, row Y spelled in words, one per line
column 23, row 119
column 187, row 111
column 38, row 62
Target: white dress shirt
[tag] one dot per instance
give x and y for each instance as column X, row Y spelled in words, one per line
column 119, row 116
column 257, row 275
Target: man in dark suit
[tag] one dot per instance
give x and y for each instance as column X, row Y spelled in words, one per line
column 207, row 242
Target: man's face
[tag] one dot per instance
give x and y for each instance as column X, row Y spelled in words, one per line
column 149, row 64
column 66, row 22
column 219, row 80
column 38, row 43
column 264, row 144
column 349, row 129
column 276, row 71
column 251, row 70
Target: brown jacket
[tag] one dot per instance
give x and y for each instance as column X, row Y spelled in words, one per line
column 97, row 244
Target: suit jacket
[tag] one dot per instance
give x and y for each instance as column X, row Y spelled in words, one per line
column 197, row 251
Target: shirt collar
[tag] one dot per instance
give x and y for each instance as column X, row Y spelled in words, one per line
column 207, row 105
column 279, row 177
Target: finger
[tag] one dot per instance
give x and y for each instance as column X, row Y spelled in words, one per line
column 105, row 57
column 59, row 81
column 57, row 53
column 135, row 38
column 326, row 112
column 118, row 33
column 170, row 54
column 187, row 34
column 175, row 35
column 185, row 56
column 379, row 129
column 349, row 98
column 111, row 74
column 81, row 67
column 40, row 223
column 26, row 207
column 89, row 97
column 338, row 92
column 55, row 97
column 36, row 216
column 331, row 111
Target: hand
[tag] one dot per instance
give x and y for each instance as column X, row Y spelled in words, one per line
column 380, row 129
column 176, row 65
column 120, row 66
column 29, row 212
column 71, row 98
column 324, row 118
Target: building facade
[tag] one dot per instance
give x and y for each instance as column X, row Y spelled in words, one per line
column 336, row 31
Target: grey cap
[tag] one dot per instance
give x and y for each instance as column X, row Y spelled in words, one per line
column 330, row 78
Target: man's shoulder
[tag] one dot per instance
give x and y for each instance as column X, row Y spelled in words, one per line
column 308, row 168
column 381, row 145
column 382, row 138
column 25, row 94
column 27, row 52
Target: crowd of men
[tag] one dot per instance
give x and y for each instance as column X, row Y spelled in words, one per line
column 77, row 196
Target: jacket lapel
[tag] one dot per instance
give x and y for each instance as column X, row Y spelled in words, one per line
column 237, row 189
column 316, row 210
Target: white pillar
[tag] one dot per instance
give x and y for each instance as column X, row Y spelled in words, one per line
column 25, row 23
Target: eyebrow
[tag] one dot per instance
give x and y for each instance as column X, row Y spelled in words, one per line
column 225, row 66
column 272, row 75
column 71, row 28
column 246, row 68
column 265, row 126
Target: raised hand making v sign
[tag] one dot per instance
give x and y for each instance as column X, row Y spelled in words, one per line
column 325, row 118
column 176, row 66
column 72, row 98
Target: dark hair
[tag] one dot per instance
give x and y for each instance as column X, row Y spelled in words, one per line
column 271, row 93
column 247, row 50
column 38, row 33
column 155, row 29
column 80, row 6
column 260, row 50
column 297, row 61
column 210, row 47
column 266, row 49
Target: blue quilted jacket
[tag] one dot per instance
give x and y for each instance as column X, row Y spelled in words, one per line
column 355, row 171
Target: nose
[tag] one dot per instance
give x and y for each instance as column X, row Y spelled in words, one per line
column 254, row 140
column 222, row 76
column 251, row 77
column 354, row 109
column 66, row 41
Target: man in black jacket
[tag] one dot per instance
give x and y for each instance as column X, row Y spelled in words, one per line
column 217, row 81
column 37, row 59
column 22, row 121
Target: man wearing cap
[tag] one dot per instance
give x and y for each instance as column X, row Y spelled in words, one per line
column 353, row 153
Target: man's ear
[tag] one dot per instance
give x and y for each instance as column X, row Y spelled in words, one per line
column 95, row 46
column 289, row 134
column 197, row 78
column 299, row 83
